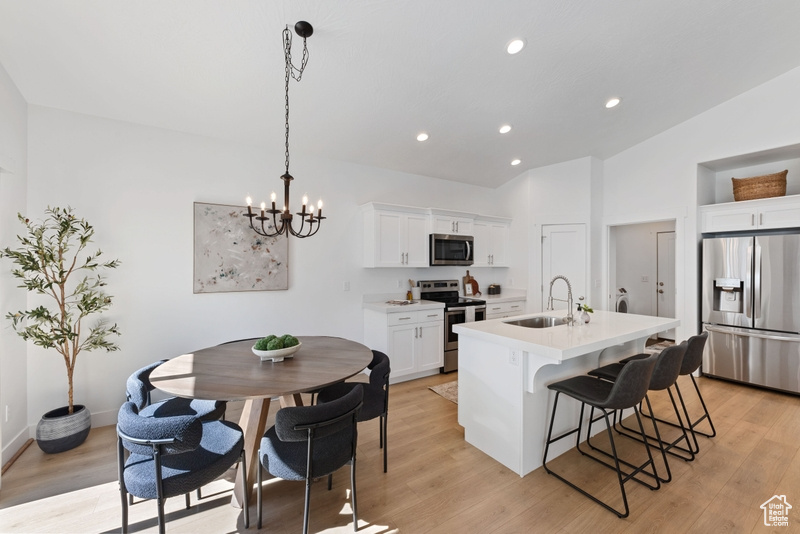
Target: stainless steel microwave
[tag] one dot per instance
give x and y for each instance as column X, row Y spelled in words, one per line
column 447, row 249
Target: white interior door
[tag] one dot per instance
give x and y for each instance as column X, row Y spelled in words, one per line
column 563, row 252
column 665, row 285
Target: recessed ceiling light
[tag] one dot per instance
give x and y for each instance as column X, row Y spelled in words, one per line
column 612, row 102
column 515, row 46
column 422, row 137
column 516, row 162
column 505, row 128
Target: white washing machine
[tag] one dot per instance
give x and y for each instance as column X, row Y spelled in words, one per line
column 622, row 301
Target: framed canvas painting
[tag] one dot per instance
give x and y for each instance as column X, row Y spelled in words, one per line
column 230, row 256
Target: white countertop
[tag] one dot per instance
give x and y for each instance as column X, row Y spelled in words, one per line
column 564, row 342
column 415, row 305
column 506, row 296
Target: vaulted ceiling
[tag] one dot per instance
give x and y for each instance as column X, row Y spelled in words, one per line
column 382, row 71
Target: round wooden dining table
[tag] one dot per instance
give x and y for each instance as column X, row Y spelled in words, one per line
column 232, row 372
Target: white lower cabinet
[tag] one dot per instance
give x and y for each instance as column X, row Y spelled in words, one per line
column 498, row 310
column 413, row 340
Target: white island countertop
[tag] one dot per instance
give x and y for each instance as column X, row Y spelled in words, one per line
column 563, row 342
column 504, row 371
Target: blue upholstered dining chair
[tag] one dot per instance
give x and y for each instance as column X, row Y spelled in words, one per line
column 309, row 442
column 376, row 396
column 170, row 456
column 138, row 392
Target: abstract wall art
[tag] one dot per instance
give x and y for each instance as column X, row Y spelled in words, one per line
column 230, row 256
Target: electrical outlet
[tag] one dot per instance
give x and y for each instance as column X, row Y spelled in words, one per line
column 511, row 282
column 597, row 284
column 399, row 282
column 645, row 278
column 513, row 359
column 8, row 413
column 346, row 286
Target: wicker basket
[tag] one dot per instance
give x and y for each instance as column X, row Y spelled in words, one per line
column 766, row 186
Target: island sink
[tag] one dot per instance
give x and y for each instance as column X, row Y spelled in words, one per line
column 544, row 321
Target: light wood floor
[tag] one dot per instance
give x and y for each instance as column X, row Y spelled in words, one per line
column 438, row 483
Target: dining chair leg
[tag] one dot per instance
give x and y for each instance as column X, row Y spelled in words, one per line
column 307, row 505
column 246, row 493
column 353, row 492
column 385, row 441
column 258, row 489
column 123, row 491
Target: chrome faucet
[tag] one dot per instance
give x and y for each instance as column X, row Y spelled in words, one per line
column 550, row 299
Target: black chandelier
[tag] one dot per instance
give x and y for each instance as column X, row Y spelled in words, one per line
column 304, row 30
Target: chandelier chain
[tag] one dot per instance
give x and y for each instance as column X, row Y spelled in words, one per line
column 293, row 72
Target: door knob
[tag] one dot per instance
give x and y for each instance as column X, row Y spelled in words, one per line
column 661, row 283
column 660, row 290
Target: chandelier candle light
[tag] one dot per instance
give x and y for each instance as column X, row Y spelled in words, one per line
column 304, row 30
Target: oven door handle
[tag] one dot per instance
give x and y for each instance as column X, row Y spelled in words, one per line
column 450, row 311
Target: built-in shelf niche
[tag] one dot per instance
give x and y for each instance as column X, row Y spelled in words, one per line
column 714, row 177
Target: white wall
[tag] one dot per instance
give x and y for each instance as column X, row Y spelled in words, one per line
column 13, row 171
column 656, row 179
column 136, row 185
column 556, row 194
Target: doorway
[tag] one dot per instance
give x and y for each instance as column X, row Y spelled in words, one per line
column 642, row 262
column 665, row 277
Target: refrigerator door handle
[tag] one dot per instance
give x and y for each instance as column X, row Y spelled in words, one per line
column 757, row 285
column 748, row 281
column 751, row 333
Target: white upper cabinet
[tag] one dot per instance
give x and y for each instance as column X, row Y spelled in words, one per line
column 762, row 214
column 720, row 213
column 395, row 236
column 451, row 222
column 399, row 236
column 491, row 242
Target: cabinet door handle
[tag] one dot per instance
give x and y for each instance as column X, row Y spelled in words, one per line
column 753, row 220
column 404, row 318
column 434, row 315
column 515, row 306
column 760, row 218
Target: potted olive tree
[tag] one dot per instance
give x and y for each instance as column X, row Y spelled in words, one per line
column 51, row 261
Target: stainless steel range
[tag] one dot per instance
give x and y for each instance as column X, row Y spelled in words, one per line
column 457, row 310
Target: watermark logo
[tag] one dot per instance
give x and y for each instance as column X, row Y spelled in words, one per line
column 776, row 511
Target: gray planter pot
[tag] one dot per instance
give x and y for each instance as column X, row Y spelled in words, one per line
column 59, row 431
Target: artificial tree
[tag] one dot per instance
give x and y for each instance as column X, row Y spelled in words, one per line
column 48, row 261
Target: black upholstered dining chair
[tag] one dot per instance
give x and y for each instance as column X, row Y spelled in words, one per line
column 627, row 392
column 376, row 396
column 309, row 442
column 171, row 456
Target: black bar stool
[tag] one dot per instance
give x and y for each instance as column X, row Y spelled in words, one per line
column 691, row 362
column 665, row 373
column 627, row 392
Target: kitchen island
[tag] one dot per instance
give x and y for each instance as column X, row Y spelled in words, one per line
column 504, row 369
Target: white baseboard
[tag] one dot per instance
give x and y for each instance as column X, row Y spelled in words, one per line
column 13, row 446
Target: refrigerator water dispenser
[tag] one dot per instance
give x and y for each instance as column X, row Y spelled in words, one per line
column 728, row 295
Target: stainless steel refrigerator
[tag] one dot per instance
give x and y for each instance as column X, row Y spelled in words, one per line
column 751, row 309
